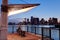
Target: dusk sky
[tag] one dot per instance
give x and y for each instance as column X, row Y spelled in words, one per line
column 47, row 9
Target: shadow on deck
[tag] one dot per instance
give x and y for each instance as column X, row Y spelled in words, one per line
column 18, row 37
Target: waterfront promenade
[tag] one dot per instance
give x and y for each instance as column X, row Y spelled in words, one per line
column 29, row 36
column 54, row 32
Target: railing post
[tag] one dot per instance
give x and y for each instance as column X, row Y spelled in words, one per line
column 50, row 33
column 31, row 29
column 42, row 32
column 27, row 28
column 35, row 30
column 13, row 29
column 59, row 33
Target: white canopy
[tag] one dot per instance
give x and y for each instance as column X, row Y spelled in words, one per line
column 19, row 8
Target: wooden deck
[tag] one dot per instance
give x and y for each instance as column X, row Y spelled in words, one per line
column 18, row 37
column 29, row 36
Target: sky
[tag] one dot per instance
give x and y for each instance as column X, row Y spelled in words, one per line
column 46, row 9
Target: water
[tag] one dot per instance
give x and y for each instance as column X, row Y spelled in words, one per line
column 54, row 33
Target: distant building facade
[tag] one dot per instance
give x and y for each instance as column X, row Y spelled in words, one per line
column 34, row 21
column 50, row 21
column 42, row 21
column 53, row 21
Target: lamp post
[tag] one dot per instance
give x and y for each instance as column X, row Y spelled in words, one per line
column 4, row 24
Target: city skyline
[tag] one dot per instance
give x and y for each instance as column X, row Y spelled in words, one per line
column 35, row 20
column 47, row 9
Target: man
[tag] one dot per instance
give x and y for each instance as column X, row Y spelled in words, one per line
column 19, row 30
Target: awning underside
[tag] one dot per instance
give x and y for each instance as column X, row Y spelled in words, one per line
column 19, row 8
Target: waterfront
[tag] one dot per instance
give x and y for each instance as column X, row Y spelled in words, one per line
column 54, row 32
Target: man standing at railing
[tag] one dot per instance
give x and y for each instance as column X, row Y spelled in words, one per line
column 21, row 30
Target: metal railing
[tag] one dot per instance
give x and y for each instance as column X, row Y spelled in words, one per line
column 48, row 32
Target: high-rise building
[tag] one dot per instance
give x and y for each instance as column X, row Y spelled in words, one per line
column 55, row 21
column 34, row 21
column 31, row 20
column 50, row 21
